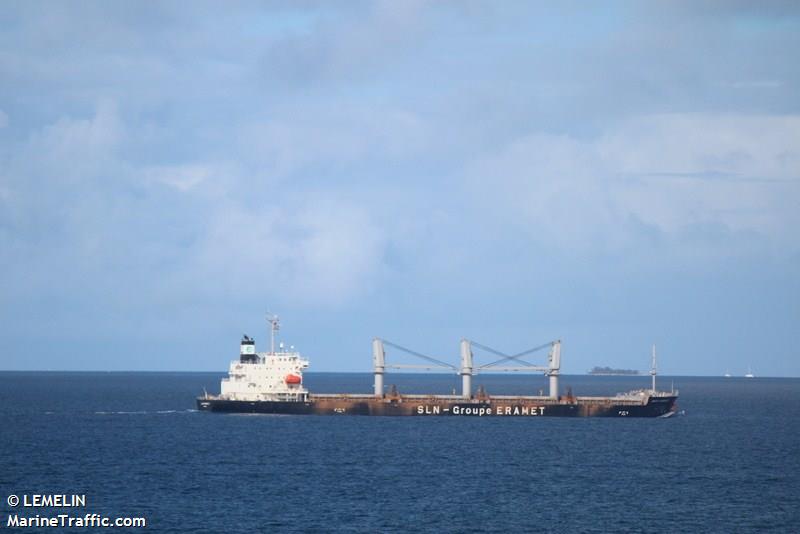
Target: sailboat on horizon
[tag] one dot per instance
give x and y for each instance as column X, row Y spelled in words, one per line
column 749, row 373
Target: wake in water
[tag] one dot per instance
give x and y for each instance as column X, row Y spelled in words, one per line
column 157, row 412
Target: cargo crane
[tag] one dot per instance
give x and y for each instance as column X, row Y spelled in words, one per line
column 468, row 370
column 380, row 365
column 552, row 370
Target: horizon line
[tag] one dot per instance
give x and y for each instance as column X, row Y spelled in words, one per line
column 643, row 375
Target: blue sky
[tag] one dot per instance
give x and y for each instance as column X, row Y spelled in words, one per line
column 611, row 175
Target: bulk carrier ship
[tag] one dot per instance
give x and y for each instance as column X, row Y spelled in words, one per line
column 272, row 383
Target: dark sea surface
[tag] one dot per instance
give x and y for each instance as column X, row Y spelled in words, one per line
column 133, row 443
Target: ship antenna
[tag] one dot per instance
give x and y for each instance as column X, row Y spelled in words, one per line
column 653, row 369
column 274, row 327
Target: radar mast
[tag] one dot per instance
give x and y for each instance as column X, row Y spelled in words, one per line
column 274, row 323
column 653, row 369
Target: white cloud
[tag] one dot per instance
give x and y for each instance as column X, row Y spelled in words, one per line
column 76, row 148
column 667, row 174
column 318, row 250
column 101, row 132
column 333, row 137
column 746, row 146
column 730, row 170
column 181, row 177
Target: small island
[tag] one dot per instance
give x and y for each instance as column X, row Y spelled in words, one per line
column 608, row 371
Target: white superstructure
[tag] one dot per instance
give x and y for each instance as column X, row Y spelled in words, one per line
column 265, row 376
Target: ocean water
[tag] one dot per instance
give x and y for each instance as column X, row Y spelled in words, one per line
column 135, row 446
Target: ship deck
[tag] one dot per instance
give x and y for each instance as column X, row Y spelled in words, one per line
column 495, row 399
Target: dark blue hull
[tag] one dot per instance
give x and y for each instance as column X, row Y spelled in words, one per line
column 433, row 406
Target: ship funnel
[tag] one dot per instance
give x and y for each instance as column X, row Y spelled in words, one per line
column 554, row 368
column 379, row 365
column 247, row 350
column 466, row 369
